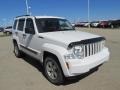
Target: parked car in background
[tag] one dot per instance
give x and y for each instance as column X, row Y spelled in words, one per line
column 94, row 24
column 100, row 24
column 114, row 23
column 79, row 24
column 82, row 24
column 104, row 24
column 86, row 24
column 8, row 30
column 1, row 29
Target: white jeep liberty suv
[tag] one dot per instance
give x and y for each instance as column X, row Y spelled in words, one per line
column 62, row 50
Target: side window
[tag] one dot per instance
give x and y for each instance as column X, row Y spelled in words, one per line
column 21, row 24
column 15, row 23
column 29, row 24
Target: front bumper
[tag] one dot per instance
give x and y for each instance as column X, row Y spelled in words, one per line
column 77, row 66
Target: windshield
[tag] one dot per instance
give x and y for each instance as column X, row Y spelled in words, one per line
column 51, row 25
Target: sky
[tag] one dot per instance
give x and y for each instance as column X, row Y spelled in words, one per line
column 73, row 10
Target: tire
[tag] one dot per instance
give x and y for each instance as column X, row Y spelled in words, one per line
column 53, row 71
column 17, row 51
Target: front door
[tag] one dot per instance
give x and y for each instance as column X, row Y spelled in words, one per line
column 30, row 39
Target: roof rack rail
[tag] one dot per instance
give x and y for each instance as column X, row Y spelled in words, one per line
column 22, row 15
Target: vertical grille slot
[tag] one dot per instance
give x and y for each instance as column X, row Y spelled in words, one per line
column 85, row 50
column 90, row 49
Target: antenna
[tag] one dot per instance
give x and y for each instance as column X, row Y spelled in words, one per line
column 27, row 8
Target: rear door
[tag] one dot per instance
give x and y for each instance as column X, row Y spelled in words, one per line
column 20, row 31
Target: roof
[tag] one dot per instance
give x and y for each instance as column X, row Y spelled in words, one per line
column 23, row 16
column 49, row 17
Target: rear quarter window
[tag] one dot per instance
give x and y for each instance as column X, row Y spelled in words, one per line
column 15, row 24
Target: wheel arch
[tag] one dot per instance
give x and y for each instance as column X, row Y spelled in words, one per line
column 47, row 53
column 14, row 41
column 58, row 52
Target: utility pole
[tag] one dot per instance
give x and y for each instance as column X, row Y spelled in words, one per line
column 89, row 13
column 27, row 8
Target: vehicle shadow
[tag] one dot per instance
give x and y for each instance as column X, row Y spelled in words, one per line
column 68, row 81
column 35, row 63
column 78, row 78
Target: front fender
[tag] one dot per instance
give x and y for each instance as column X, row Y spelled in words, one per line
column 59, row 52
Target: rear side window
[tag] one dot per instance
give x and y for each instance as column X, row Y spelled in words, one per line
column 21, row 24
column 15, row 23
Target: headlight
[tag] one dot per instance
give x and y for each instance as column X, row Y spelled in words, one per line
column 75, row 53
column 78, row 51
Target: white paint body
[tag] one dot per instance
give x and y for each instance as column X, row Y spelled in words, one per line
column 57, row 43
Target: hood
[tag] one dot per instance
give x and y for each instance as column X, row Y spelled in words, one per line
column 68, row 37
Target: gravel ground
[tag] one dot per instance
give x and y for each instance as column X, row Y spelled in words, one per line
column 26, row 73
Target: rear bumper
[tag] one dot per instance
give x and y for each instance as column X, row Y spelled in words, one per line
column 77, row 67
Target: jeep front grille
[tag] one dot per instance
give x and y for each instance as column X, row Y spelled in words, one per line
column 92, row 48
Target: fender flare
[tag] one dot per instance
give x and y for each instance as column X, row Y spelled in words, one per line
column 59, row 52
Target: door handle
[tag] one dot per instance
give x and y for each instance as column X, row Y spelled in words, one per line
column 41, row 37
column 24, row 35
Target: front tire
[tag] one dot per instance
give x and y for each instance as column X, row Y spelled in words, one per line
column 53, row 71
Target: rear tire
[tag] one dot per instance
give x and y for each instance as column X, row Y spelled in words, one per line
column 53, row 71
column 17, row 51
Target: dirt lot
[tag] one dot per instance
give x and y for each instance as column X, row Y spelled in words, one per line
column 26, row 74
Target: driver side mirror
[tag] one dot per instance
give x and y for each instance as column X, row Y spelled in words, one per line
column 29, row 31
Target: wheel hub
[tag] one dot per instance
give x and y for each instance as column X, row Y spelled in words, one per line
column 51, row 69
